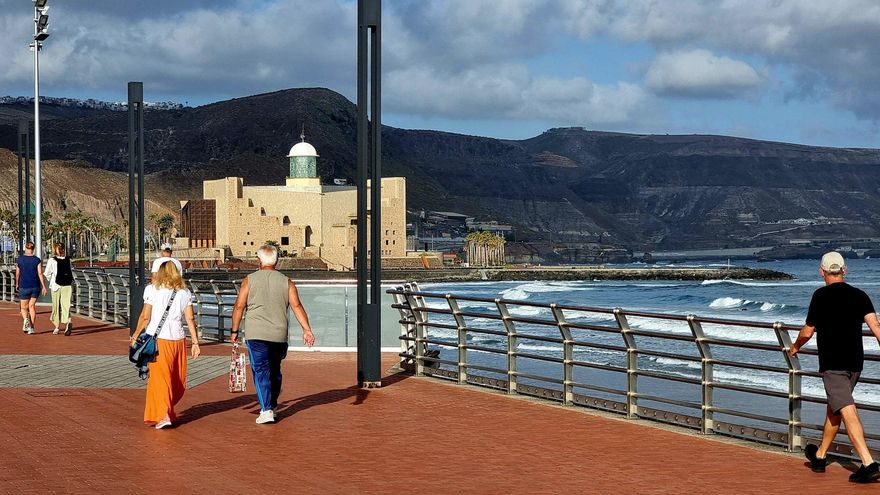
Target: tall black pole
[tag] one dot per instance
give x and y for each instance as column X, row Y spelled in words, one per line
column 369, row 321
column 23, row 127
column 135, row 201
column 27, row 183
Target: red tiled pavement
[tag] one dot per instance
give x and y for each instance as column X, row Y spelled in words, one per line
column 412, row 436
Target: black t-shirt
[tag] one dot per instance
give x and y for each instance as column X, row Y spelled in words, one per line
column 838, row 311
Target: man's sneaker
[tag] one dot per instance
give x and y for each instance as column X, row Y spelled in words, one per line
column 266, row 417
column 25, row 326
column 866, row 474
column 817, row 464
column 31, row 331
column 165, row 423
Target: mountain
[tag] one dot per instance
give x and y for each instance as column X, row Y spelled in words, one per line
column 567, row 185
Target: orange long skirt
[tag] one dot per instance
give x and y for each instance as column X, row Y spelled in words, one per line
column 167, row 381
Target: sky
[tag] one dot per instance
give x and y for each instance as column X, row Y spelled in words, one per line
column 801, row 71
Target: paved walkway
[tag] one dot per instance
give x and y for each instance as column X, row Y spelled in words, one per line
column 413, row 435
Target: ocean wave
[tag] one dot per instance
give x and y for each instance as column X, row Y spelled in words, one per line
column 736, row 303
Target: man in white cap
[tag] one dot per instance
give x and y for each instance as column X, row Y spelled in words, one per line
column 836, row 314
column 166, row 256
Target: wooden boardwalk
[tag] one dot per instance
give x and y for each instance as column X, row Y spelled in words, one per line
column 414, row 435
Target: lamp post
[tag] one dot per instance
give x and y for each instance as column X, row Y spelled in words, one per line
column 41, row 26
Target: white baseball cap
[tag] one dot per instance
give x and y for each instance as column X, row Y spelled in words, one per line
column 833, row 263
column 165, row 246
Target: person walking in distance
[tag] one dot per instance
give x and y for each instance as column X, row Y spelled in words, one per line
column 167, row 255
column 265, row 296
column 59, row 272
column 836, row 314
column 30, row 284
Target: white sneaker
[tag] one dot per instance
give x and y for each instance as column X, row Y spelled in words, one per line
column 31, row 331
column 55, row 332
column 163, row 424
column 266, row 417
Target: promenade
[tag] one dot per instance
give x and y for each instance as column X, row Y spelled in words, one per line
column 72, row 425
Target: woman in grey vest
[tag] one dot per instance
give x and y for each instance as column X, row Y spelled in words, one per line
column 265, row 295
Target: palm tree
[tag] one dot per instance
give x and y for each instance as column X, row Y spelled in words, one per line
column 484, row 249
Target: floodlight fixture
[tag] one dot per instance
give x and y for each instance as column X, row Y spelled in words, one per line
column 40, row 3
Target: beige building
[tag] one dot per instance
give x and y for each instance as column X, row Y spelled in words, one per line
column 306, row 218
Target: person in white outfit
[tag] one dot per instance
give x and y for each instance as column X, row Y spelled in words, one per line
column 59, row 273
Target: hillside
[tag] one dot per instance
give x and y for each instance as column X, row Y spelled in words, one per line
column 78, row 185
column 565, row 186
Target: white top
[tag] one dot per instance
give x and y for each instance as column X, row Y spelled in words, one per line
column 162, row 259
column 51, row 272
column 158, row 299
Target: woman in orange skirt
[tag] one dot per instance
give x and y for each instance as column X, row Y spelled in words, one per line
column 167, row 381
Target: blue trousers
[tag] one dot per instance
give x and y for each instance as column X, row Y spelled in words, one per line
column 266, row 360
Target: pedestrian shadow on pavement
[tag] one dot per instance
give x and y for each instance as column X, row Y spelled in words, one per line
column 248, row 402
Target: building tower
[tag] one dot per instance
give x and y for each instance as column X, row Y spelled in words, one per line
column 303, row 165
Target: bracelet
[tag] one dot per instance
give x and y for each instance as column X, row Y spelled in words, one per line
column 234, row 331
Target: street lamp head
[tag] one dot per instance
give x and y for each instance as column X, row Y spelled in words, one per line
column 42, row 22
column 40, row 3
column 41, row 36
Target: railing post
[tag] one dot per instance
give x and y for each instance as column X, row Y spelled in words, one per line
column 510, row 327
column 2, row 285
column 419, row 319
column 91, row 298
column 115, row 290
column 197, row 297
column 103, row 280
column 707, row 377
column 407, row 330
column 221, row 325
column 462, row 338
column 795, row 438
column 632, row 365
column 567, row 355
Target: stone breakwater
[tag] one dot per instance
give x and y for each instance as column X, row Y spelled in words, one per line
column 586, row 273
column 523, row 274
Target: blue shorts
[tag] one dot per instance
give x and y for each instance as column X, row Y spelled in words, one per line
column 25, row 293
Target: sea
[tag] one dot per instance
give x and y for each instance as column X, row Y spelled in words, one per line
column 754, row 300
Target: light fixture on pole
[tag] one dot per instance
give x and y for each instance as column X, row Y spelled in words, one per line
column 41, row 27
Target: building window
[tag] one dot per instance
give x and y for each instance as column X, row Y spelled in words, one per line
column 393, row 242
column 252, row 243
column 248, row 233
column 285, row 241
column 286, row 220
column 244, row 243
column 262, row 212
column 386, row 242
column 386, row 231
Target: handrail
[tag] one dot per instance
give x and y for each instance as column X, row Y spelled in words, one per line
column 440, row 339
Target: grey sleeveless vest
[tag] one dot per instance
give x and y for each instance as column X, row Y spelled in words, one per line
column 266, row 317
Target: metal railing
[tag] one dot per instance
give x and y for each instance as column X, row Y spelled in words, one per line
column 490, row 342
column 103, row 295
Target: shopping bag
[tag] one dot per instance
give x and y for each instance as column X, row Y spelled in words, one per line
column 237, row 371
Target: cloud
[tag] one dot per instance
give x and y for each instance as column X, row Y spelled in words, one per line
column 509, row 91
column 700, row 73
column 827, row 47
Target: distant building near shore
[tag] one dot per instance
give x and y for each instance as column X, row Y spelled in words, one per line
column 304, row 217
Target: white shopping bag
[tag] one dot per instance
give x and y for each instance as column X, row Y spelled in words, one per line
column 237, row 371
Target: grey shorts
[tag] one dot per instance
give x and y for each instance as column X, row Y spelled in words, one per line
column 839, row 386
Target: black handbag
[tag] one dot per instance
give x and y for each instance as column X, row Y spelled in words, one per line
column 146, row 349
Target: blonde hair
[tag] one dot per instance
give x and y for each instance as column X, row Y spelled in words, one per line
column 168, row 277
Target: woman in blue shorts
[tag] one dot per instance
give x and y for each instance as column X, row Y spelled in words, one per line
column 30, row 284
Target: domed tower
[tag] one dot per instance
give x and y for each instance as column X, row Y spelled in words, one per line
column 303, row 164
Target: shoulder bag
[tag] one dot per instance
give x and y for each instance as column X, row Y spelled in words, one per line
column 145, row 349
